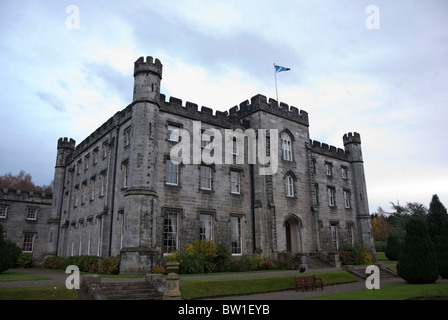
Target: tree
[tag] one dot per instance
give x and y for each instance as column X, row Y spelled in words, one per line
column 417, row 262
column 437, row 221
column 380, row 227
column 23, row 181
column 437, row 215
column 393, row 248
column 9, row 252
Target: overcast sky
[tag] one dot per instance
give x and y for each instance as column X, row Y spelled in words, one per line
column 382, row 73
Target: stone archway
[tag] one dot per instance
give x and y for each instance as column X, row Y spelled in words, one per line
column 293, row 234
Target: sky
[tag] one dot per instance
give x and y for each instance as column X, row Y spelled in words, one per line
column 379, row 68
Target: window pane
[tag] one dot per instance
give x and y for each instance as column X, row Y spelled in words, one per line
column 236, row 235
column 205, row 229
column 172, row 171
column 28, row 242
column 206, row 177
column 235, row 181
column 170, row 232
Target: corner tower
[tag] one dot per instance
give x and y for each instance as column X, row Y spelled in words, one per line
column 65, row 149
column 352, row 145
column 139, row 237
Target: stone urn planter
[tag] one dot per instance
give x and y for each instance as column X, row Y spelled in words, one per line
column 172, row 282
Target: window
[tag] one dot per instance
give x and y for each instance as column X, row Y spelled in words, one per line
column 235, row 178
column 350, row 234
column 3, row 211
column 289, row 186
column 170, row 232
column 205, row 229
column 83, row 192
column 103, row 178
column 104, row 150
column 92, row 189
column 331, row 201
column 236, row 235
column 206, row 141
column 28, row 242
column 95, row 156
column 32, row 213
column 99, row 235
column 328, row 169
column 172, row 173
column 127, row 137
column 86, row 162
column 286, row 146
column 344, row 172
column 235, row 147
column 347, row 199
column 125, row 174
column 76, row 196
column 173, row 133
column 206, row 177
column 334, row 236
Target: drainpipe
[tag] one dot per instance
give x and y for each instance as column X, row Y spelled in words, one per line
column 252, row 205
column 112, row 206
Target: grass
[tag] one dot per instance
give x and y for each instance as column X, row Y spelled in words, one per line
column 202, row 288
column 38, row 293
column 18, row 276
column 392, row 292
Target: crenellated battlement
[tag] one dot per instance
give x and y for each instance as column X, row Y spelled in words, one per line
column 260, row 103
column 140, row 65
column 191, row 110
column 351, row 138
column 65, row 143
column 328, row 150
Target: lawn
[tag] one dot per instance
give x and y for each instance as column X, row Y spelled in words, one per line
column 202, row 288
column 38, row 293
column 392, row 292
column 18, row 276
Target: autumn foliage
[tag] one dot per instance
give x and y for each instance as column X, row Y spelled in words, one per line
column 22, row 181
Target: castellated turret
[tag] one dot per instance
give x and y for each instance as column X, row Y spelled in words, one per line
column 352, row 144
column 147, row 77
column 65, row 148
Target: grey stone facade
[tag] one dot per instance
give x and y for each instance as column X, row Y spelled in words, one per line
column 118, row 191
column 25, row 218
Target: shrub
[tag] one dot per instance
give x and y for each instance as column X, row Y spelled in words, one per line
column 244, row 263
column 9, row 253
column 222, row 258
column 393, row 248
column 199, row 257
column 110, row 265
column 54, row 263
column 159, row 269
column 266, row 264
column 417, row 263
column 25, row 260
column 380, row 246
column 289, row 261
column 354, row 255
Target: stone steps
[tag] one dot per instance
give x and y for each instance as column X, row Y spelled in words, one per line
column 129, row 291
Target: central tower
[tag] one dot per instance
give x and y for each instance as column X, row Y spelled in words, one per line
column 139, row 235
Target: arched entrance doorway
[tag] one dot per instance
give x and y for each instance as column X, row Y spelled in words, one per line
column 293, row 235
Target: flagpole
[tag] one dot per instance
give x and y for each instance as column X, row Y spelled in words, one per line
column 275, row 75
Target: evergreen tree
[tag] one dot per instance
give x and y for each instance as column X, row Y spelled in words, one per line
column 9, row 253
column 437, row 215
column 437, row 221
column 393, row 248
column 417, row 262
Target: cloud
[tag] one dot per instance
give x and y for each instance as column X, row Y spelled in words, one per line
column 52, row 100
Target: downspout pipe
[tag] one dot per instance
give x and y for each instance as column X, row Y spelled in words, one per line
column 114, row 172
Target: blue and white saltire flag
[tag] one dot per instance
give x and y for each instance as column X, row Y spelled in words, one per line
column 280, row 68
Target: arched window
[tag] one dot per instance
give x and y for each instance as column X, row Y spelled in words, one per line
column 286, row 146
column 289, row 186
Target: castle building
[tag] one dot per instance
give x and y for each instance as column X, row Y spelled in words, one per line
column 24, row 217
column 122, row 191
